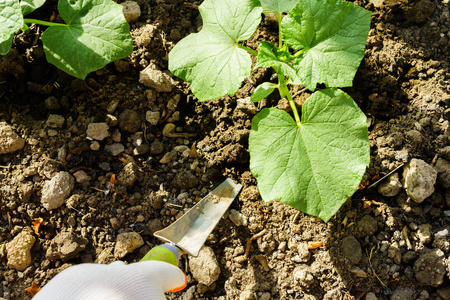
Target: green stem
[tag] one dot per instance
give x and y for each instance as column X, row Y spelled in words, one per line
column 284, row 92
column 45, row 23
column 249, row 50
column 280, row 40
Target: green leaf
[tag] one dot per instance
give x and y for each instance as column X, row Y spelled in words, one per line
column 11, row 20
column 5, row 46
column 314, row 167
column 332, row 34
column 95, row 35
column 211, row 60
column 262, row 91
column 278, row 5
column 28, row 6
column 268, row 58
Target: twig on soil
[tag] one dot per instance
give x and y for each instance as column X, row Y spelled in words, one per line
column 190, row 5
column 249, row 242
column 435, row 158
column 371, row 266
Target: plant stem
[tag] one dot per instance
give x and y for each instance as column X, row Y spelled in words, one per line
column 280, row 40
column 249, row 50
column 45, row 23
column 284, row 91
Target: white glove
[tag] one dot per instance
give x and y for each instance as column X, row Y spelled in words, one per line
column 116, row 281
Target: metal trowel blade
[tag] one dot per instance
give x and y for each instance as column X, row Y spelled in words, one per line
column 189, row 232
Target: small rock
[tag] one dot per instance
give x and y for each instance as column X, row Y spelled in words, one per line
column 441, row 233
column 204, row 267
column 185, row 180
column 51, row 103
column 141, row 150
column 246, row 106
column 302, row 276
column 9, row 140
column 247, row 295
column 97, row 131
column 424, row 233
column 55, row 121
column 18, row 250
column 351, row 249
column 157, row 147
column 146, row 33
column 129, row 175
column 115, row 149
column 371, row 296
column 266, row 243
column 154, row 225
column 154, row 78
column 237, row 218
column 367, row 226
column 391, row 186
column 131, row 11
column 122, row 65
column 65, row 245
column 403, row 293
column 303, row 252
column 152, row 117
column 430, row 268
column 358, row 272
column 168, row 129
column 126, row 243
column 55, row 191
column 129, row 120
column 442, row 168
column 81, row 176
column 115, row 223
column 95, row 146
column 420, row 178
column 395, row 253
column 444, row 293
column 420, row 12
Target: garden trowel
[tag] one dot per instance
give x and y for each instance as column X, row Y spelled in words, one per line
column 189, row 233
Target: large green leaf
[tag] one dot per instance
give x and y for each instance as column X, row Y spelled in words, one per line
column 211, row 60
column 11, row 20
column 96, row 33
column 5, row 46
column 29, row 6
column 314, row 167
column 331, row 35
column 278, row 5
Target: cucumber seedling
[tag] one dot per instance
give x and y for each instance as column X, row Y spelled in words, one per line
column 313, row 163
column 95, row 33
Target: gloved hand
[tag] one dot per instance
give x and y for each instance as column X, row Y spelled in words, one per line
column 116, row 281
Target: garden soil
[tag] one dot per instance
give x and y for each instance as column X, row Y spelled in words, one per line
column 158, row 151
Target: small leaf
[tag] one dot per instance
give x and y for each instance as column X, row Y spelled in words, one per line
column 267, row 58
column 314, row 167
column 28, row 6
column 211, row 59
column 262, row 91
column 95, row 35
column 331, row 35
column 11, row 20
column 5, row 46
column 278, row 5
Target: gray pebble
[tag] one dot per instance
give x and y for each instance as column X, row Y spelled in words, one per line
column 420, row 178
column 351, row 249
column 129, row 120
column 430, row 268
column 97, row 131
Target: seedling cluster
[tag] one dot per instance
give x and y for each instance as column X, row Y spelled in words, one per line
column 95, row 33
column 313, row 163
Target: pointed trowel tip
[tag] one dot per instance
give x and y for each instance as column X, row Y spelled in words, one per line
column 190, row 231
